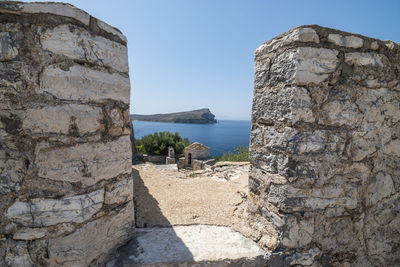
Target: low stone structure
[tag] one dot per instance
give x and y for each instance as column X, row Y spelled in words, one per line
column 171, row 156
column 325, row 150
column 195, row 156
column 65, row 151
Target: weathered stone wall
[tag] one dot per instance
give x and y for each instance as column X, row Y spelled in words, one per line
column 65, row 151
column 325, row 149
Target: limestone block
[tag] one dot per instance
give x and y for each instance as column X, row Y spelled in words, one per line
column 299, row 232
column 60, row 9
column 85, row 164
column 291, row 199
column 290, row 140
column 305, row 258
column 106, row 27
column 347, row 41
column 18, row 256
column 29, row 233
column 379, row 105
column 341, row 112
column 94, row 240
column 120, row 191
column 364, row 59
column 117, row 122
column 297, row 35
column 304, row 65
column 197, row 164
column 392, row 148
column 12, row 172
column 76, row 43
column 289, row 104
column 45, row 212
column 8, row 50
column 98, row 86
column 381, row 186
column 368, row 140
column 59, row 119
column 374, row 45
column 261, row 72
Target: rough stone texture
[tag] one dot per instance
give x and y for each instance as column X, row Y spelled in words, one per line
column 47, row 212
column 81, row 248
column 195, row 245
column 99, row 85
column 77, row 43
column 60, row 119
column 86, row 164
column 324, row 150
column 65, row 153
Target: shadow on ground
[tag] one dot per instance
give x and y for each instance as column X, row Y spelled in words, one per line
column 152, row 244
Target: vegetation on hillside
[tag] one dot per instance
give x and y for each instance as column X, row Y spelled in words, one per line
column 158, row 143
column 194, row 116
column 241, row 154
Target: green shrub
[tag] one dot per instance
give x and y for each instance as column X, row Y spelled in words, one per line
column 158, row 143
column 241, row 154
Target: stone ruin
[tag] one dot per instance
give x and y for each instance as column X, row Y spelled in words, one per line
column 324, row 152
column 65, row 154
column 325, row 149
column 196, row 156
column 171, row 156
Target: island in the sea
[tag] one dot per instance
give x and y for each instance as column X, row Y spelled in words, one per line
column 203, row 116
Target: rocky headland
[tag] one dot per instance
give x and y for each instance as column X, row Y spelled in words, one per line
column 203, row 116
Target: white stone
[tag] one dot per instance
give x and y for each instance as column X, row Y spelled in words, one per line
column 341, row 112
column 29, row 233
column 106, row 27
column 380, row 187
column 290, row 104
column 297, row 35
column 77, row 43
column 85, row 163
column 298, row 233
column 46, row 212
column 347, row 41
column 314, row 64
column 364, row 59
column 119, row 192
column 305, row 65
column 374, row 45
column 58, row 119
column 215, row 245
column 95, row 240
column 18, row 256
column 83, row 83
column 7, row 50
column 304, row 35
column 60, row 9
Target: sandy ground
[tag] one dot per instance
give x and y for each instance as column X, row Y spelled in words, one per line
column 165, row 196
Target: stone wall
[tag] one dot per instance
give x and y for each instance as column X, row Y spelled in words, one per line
column 325, row 149
column 65, row 151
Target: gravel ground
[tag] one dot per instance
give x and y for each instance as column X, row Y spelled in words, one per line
column 165, row 196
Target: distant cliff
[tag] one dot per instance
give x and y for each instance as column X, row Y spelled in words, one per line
column 195, row 116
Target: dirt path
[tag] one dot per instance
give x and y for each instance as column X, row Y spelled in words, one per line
column 165, row 196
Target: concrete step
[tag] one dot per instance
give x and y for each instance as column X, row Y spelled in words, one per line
column 194, row 245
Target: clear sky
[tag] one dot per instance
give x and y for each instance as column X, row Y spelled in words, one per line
column 189, row 54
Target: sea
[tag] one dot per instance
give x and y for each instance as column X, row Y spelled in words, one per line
column 220, row 137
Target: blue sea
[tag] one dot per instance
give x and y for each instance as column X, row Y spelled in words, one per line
column 221, row 137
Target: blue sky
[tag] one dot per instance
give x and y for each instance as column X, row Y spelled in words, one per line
column 189, row 54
